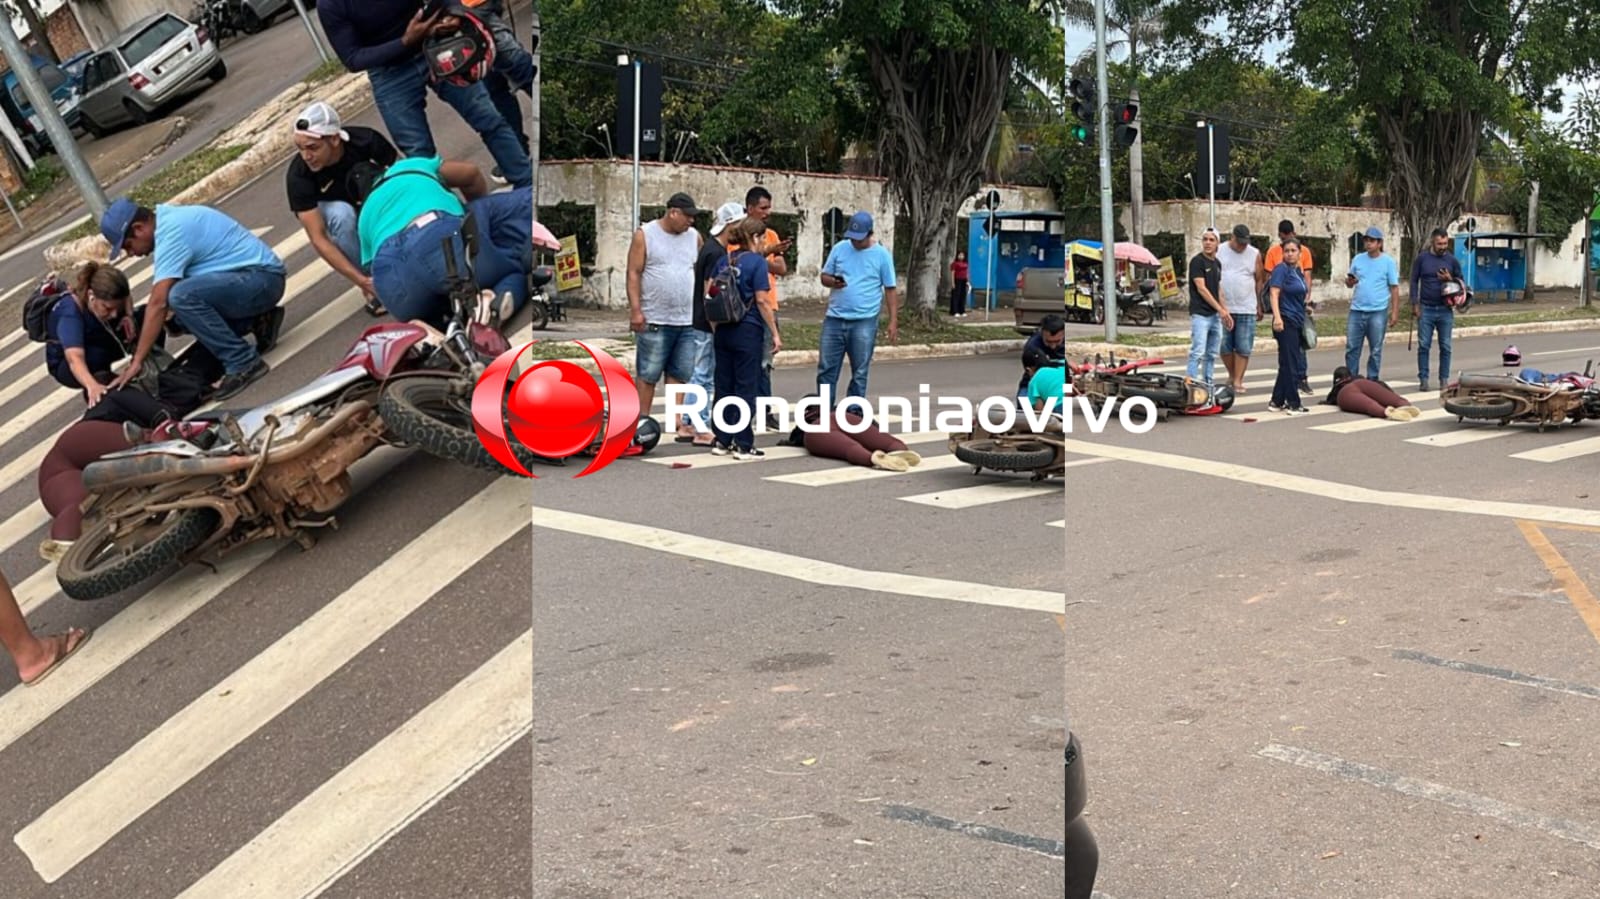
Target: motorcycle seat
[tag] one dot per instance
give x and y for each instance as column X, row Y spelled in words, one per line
column 542, row 275
column 1503, row 382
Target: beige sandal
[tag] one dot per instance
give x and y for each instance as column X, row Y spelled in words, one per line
column 883, row 460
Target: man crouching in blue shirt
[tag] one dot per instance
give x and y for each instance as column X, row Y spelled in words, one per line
column 221, row 281
column 860, row 272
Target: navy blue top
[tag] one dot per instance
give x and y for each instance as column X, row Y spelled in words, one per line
column 366, row 33
column 71, row 327
column 754, row 275
column 1425, row 281
column 1291, row 294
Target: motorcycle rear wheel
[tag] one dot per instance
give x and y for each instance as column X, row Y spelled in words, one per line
column 998, row 456
column 96, row 566
column 541, row 313
column 1492, row 410
column 435, row 416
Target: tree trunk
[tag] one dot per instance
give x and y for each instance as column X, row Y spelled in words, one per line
column 1430, row 167
column 37, row 30
column 939, row 110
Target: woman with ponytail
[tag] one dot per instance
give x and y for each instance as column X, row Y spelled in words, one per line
column 90, row 329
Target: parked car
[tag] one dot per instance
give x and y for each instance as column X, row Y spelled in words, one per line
column 20, row 110
column 143, row 69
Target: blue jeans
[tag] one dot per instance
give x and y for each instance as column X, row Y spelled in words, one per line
column 738, row 364
column 1205, row 338
column 1291, row 362
column 1371, row 326
column 408, row 271
column 840, row 337
column 764, row 385
column 1442, row 318
column 705, row 366
column 400, row 91
column 218, row 308
column 340, row 219
column 670, row 350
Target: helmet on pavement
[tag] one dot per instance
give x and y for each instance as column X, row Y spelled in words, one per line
column 1511, row 356
column 647, row 434
column 464, row 56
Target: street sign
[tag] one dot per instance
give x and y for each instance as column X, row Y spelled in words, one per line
column 1167, row 279
column 569, row 275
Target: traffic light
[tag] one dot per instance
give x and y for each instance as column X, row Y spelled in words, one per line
column 1127, row 128
column 1083, row 109
column 533, row 49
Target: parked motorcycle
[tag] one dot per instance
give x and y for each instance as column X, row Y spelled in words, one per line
column 545, row 301
column 1122, row 380
column 1142, row 308
column 207, row 486
column 1530, row 396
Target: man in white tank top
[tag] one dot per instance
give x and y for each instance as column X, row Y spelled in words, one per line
column 661, row 298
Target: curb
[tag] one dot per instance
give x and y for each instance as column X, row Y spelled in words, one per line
column 805, row 358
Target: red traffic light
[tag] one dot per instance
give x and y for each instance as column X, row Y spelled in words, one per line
column 1128, row 113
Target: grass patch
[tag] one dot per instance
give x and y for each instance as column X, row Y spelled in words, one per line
column 328, row 71
column 556, row 349
column 808, row 335
column 173, row 179
column 1477, row 316
column 39, row 180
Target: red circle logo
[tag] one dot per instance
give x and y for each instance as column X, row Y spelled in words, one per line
column 555, row 409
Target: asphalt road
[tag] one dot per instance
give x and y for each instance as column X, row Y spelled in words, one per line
column 1338, row 657
column 354, row 717
column 793, row 677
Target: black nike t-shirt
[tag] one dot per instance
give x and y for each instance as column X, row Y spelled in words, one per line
column 308, row 188
column 712, row 251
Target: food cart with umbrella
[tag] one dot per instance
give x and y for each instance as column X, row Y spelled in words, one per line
column 1084, row 297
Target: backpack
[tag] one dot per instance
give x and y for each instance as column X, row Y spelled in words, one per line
column 725, row 303
column 36, row 311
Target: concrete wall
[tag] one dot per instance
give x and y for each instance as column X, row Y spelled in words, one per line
column 607, row 185
column 103, row 19
column 1559, row 269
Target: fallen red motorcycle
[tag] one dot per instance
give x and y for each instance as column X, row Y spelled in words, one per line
column 1123, row 379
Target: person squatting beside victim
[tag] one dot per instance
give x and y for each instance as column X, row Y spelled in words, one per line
column 1368, row 396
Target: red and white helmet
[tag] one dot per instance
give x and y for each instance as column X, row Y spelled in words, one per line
column 464, row 56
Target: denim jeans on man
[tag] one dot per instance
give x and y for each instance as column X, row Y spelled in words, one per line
column 738, row 365
column 1442, row 319
column 409, row 271
column 1372, row 327
column 705, row 367
column 1205, row 339
column 340, row 218
column 401, row 92
column 841, row 337
column 764, row 385
column 219, row 307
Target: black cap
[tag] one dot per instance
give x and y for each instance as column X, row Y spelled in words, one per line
column 685, row 202
column 1241, row 231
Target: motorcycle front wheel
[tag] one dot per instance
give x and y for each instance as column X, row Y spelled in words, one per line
column 435, row 416
column 541, row 313
column 99, row 564
column 1003, row 456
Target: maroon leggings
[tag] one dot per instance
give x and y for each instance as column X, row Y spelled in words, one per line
column 1368, row 398
column 61, row 473
column 857, row 449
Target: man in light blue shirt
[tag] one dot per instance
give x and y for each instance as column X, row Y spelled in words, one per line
column 1375, row 307
column 221, row 281
column 860, row 272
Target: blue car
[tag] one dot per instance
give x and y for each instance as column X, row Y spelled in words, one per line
column 63, row 90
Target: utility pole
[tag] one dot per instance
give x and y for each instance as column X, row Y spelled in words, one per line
column 1533, row 228
column 1108, row 234
column 1211, row 162
column 316, row 39
column 1136, row 179
column 622, row 60
column 533, row 126
column 94, row 197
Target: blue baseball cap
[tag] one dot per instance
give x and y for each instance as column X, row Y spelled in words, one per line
column 115, row 223
column 1374, row 233
column 860, row 226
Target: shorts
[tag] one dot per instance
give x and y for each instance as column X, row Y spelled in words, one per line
column 665, row 349
column 1241, row 338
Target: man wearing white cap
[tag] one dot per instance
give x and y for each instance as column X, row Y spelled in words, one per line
column 323, row 182
column 698, row 429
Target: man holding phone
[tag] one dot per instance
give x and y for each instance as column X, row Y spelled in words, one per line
column 860, row 273
column 758, row 204
column 1375, row 306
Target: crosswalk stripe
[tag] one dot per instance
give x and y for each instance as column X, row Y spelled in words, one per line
column 846, row 473
column 1379, row 424
column 261, row 689
column 1060, row 523
column 704, row 459
column 982, row 494
column 17, row 527
column 351, row 815
column 1572, row 449
column 778, row 564
column 1461, row 436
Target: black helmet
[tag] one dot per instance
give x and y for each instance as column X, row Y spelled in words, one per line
column 462, row 57
column 647, row 434
column 1223, row 397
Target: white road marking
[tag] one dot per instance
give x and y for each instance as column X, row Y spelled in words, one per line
column 1358, row 425
column 704, row 458
column 799, row 568
column 983, row 494
column 1560, row 452
column 1348, row 493
column 1462, row 436
column 352, row 814
column 846, row 473
column 1314, row 407
column 1576, row 831
column 261, row 689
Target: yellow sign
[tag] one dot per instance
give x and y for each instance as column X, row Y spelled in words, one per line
column 1167, row 279
column 568, row 273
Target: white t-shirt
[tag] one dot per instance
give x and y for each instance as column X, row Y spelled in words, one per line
column 1238, row 278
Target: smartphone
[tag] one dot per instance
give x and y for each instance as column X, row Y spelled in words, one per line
column 430, row 7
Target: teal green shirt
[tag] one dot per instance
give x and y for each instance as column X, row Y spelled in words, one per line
column 1047, row 383
column 399, row 200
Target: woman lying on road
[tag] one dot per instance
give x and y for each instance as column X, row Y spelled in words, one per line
column 871, row 448
column 1356, row 394
column 34, row 657
column 61, row 478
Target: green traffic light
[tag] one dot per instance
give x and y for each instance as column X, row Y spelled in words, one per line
column 1080, row 133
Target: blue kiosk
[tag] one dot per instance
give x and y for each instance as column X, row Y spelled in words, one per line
column 1495, row 263
column 1004, row 255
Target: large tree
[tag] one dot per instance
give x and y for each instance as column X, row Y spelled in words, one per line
column 939, row 72
column 1430, row 75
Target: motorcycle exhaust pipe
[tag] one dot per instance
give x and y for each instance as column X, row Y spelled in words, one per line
column 156, row 468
